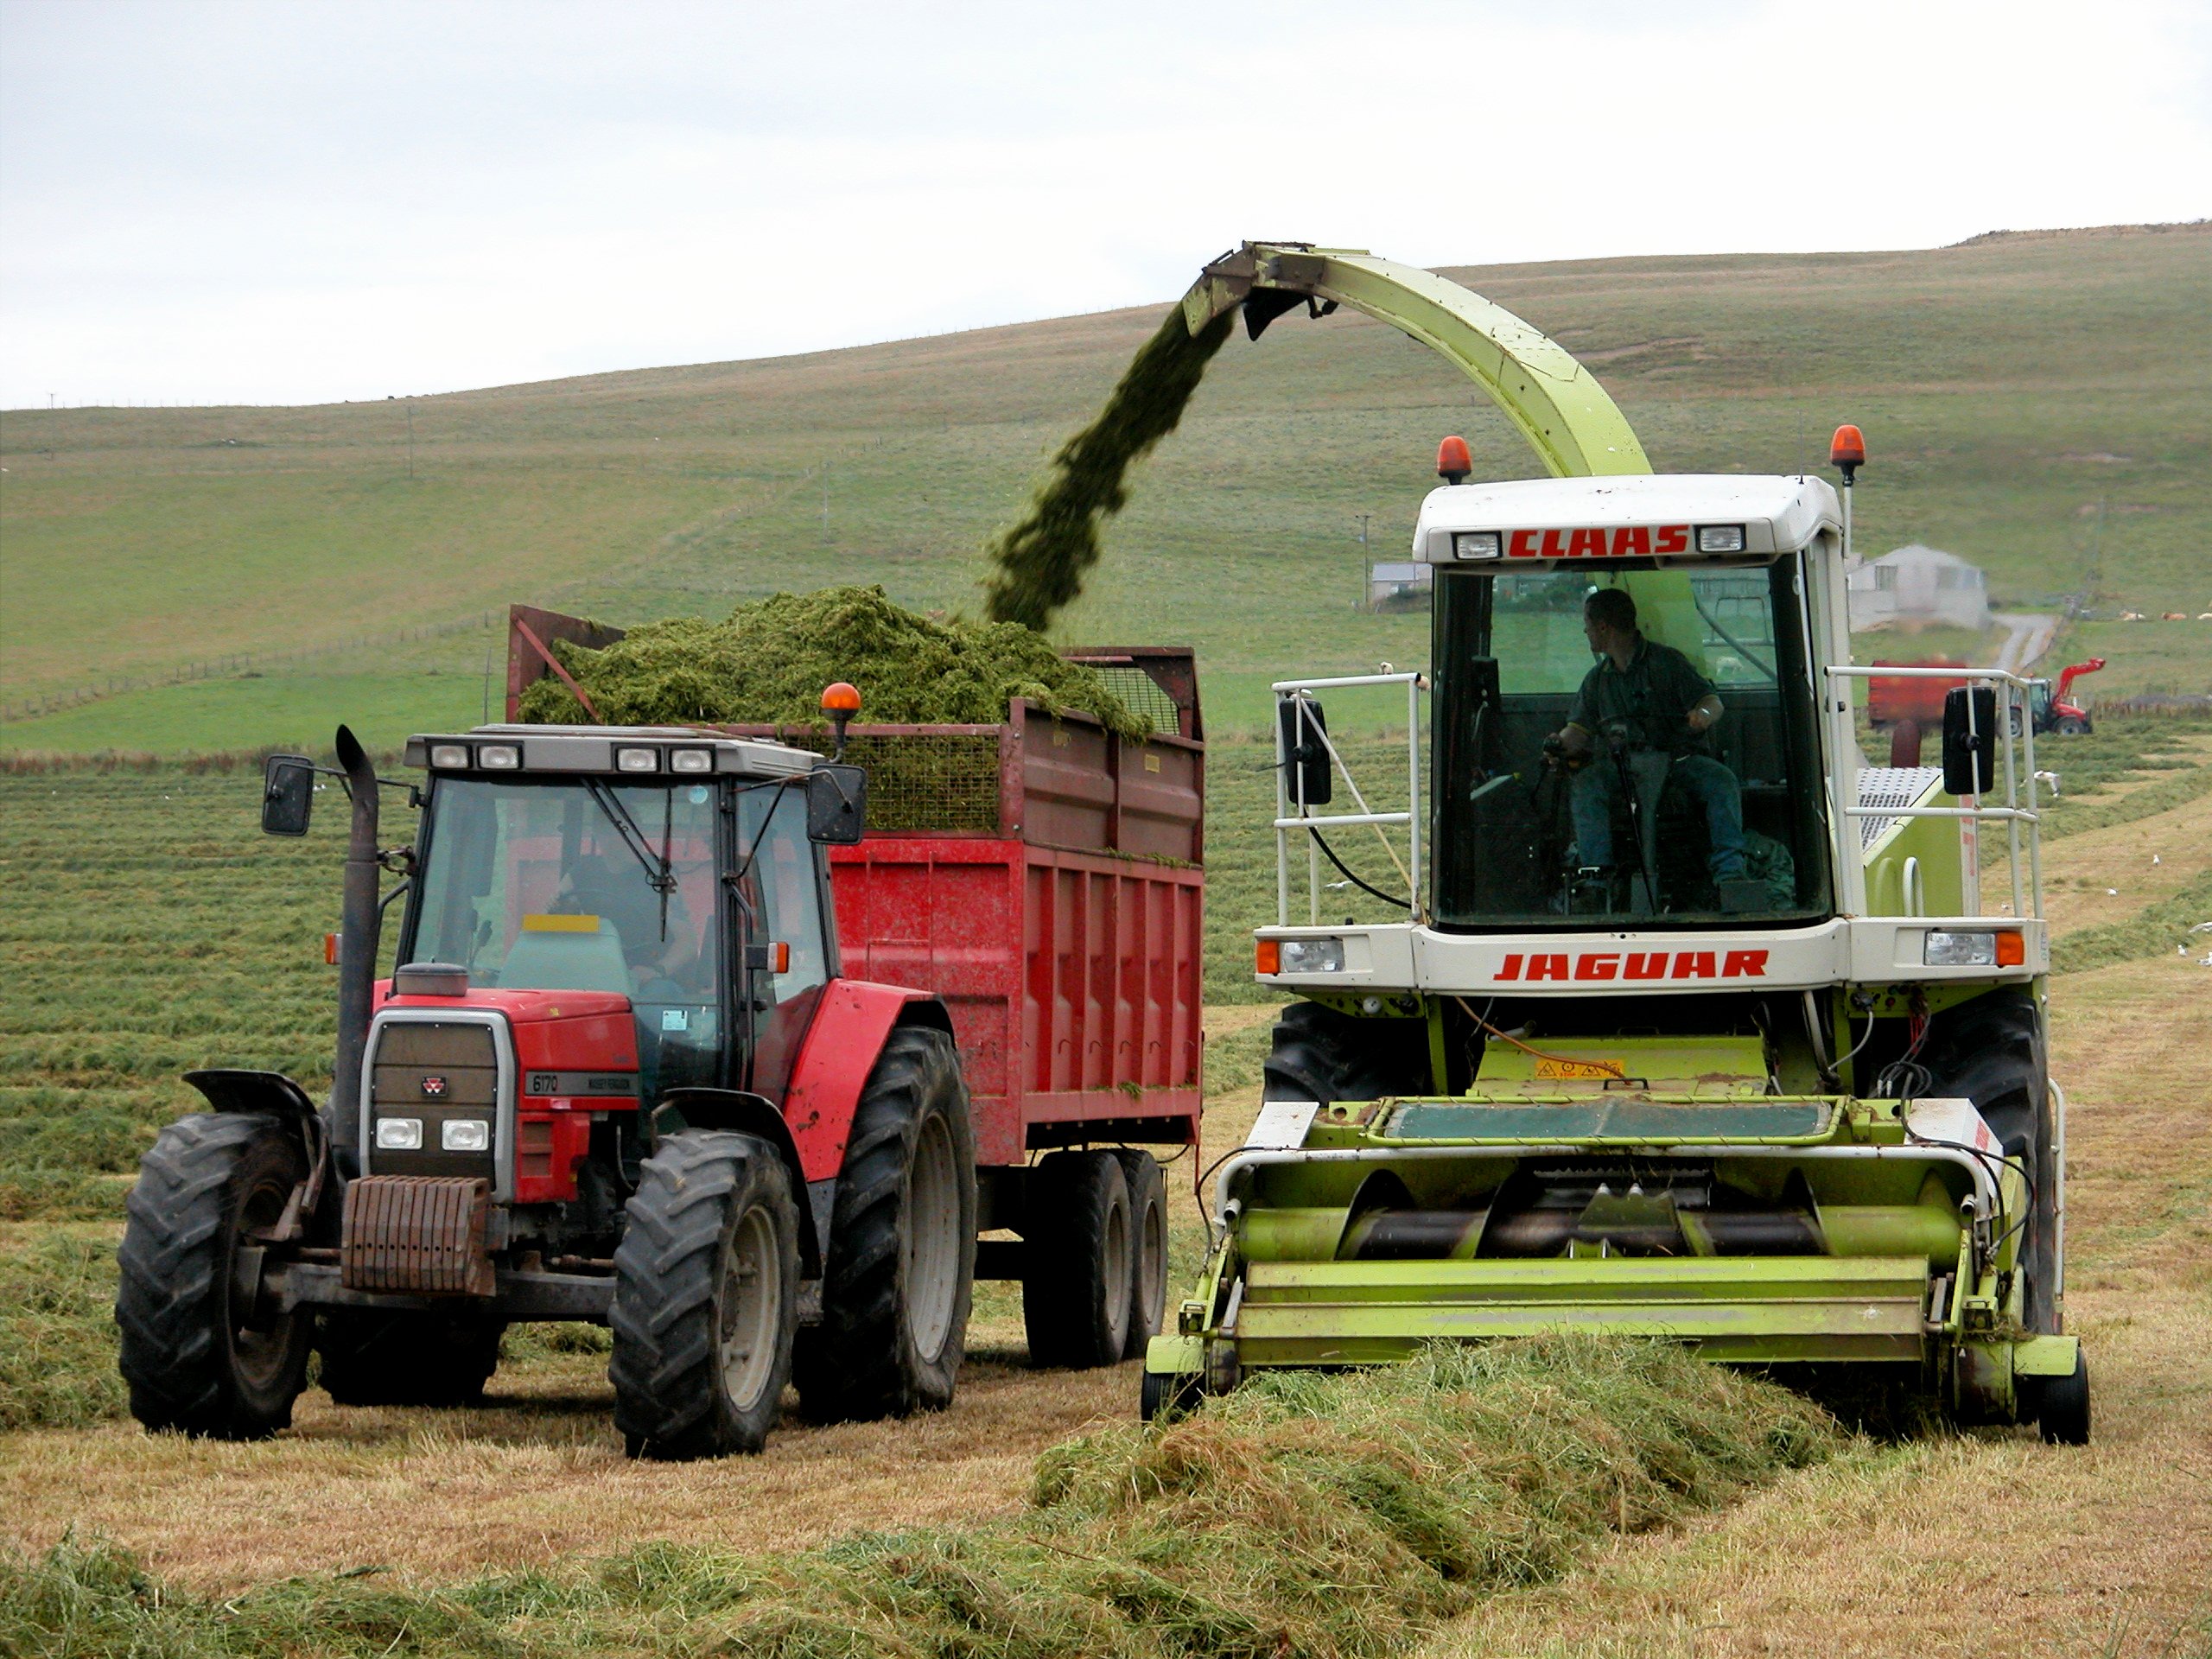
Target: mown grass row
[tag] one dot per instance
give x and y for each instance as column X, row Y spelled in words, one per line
column 1303, row 1514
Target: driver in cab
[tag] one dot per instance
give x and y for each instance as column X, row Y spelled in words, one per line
column 1649, row 697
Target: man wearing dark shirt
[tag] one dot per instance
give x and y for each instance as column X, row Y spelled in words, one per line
column 1663, row 705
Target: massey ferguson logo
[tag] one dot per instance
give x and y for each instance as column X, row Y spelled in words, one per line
column 1635, row 964
column 1626, row 541
column 434, row 1087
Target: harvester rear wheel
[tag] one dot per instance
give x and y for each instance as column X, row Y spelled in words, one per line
column 1148, row 1248
column 901, row 1267
column 706, row 1298
column 201, row 1350
column 1076, row 1296
column 376, row 1357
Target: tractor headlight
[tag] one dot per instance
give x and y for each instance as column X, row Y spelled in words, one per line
column 637, row 760
column 1312, row 956
column 499, row 757
column 1475, row 544
column 465, row 1134
column 449, row 757
column 399, row 1134
column 691, row 761
column 1719, row 538
column 1947, row 949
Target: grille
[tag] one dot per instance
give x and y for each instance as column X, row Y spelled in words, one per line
column 1880, row 786
column 434, row 1070
column 1142, row 695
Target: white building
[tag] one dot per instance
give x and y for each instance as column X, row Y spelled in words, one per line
column 1393, row 585
column 1918, row 584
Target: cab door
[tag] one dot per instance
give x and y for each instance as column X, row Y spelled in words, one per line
column 781, row 897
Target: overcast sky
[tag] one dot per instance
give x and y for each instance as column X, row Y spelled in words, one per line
column 301, row 201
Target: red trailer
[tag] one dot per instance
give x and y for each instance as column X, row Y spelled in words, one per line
column 1894, row 697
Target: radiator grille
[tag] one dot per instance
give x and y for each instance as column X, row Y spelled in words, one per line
column 434, row 1071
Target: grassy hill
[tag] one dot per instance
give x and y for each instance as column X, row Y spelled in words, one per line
column 2041, row 404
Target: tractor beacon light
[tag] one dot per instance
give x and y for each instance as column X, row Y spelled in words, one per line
column 1452, row 461
column 841, row 701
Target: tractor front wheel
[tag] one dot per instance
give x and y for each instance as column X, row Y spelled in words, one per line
column 202, row 1350
column 706, row 1298
column 901, row 1267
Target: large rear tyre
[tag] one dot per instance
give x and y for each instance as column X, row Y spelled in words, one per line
column 1076, row 1294
column 706, row 1298
column 201, row 1350
column 1148, row 1248
column 376, row 1357
column 902, row 1263
column 1321, row 1055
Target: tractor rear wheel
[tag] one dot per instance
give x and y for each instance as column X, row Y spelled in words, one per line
column 375, row 1357
column 706, row 1298
column 201, row 1350
column 1076, row 1295
column 1148, row 1248
column 902, row 1259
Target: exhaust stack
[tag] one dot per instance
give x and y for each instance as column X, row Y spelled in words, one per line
column 357, row 954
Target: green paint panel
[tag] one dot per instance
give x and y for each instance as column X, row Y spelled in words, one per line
column 1628, row 1119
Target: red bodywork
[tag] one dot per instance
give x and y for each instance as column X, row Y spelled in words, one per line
column 2067, row 676
column 1894, row 697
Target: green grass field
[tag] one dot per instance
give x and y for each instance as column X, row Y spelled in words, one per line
column 2041, row 404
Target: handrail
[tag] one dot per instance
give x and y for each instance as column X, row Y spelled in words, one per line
column 1287, row 820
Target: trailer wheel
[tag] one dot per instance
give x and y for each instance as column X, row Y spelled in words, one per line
column 2062, row 1405
column 1076, row 1295
column 901, row 1261
column 373, row 1356
column 706, row 1298
column 200, row 1352
column 1148, row 1248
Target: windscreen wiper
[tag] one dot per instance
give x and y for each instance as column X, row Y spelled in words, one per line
column 658, row 869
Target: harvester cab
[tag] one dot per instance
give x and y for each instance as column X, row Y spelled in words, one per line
column 615, row 1076
column 1689, row 1022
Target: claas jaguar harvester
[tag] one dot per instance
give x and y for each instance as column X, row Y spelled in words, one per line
column 679, row 1043
column 1689, row 1022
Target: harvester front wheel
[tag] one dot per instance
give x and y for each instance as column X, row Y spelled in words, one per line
column 1076, row 1296
column 1166, row 1394
column 201, row 1350
column 706, row 1298
column 1148, row 1248
column 1321, row 1055
column 901, row 1267
column 375, row 1357
column 2061, row 1405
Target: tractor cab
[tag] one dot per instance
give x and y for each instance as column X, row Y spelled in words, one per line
column 678, row 869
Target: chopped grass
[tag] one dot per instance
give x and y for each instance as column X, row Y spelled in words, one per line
column 767, row 663
column 2158, row 929
column 57, row 1333
column 1328, row 1516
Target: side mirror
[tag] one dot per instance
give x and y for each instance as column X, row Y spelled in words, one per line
column 1970, row 740
column 836, row 805
column 287, row 794
column 1306, row 774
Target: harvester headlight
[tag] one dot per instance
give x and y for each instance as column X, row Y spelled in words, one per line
column 499, row 757
column 1719, row 538
column 691, row 761
column 637, row 760
column 399, row 1134
column 450, row 757
column 1312, row 956
column 1476, row 544
column 1949, row 949
column 465, row 1134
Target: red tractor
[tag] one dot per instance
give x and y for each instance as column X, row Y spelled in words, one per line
column 2049, row 705
column 621, row 1076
